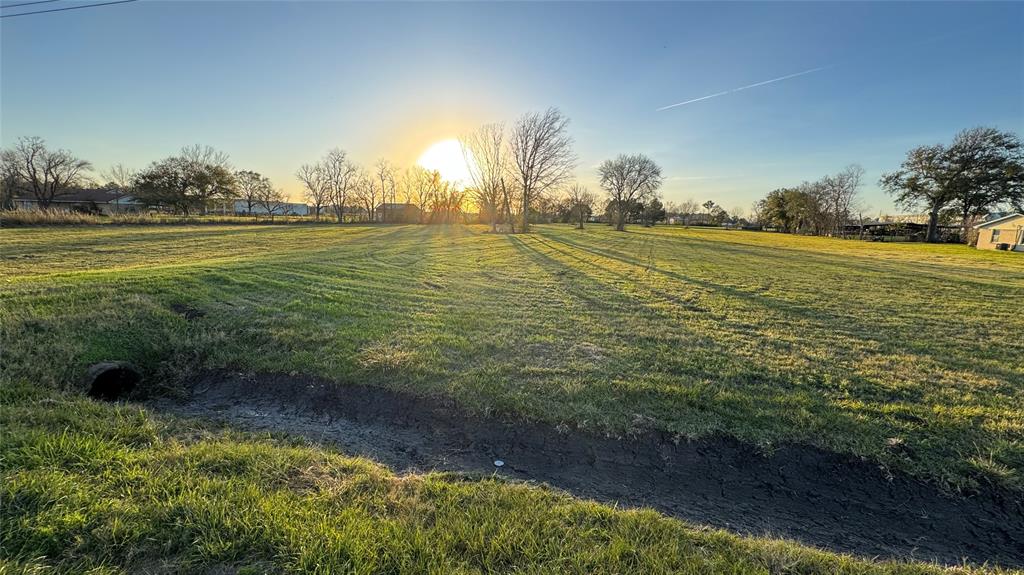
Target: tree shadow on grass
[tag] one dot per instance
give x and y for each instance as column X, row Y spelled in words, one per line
column 745, row 400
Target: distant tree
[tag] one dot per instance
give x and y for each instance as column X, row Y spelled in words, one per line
column 385, row 175
column 653, row 212
column 210, row 174
column 719, row 216
column 29, row 167
column 164, row 183
column 790, row 210
column 736, row 213
column 687, row 208
column 542, row 156
column 10, row 181
column 815, row 205
column 364, row 191
column 925, row 178
column 839, row 193
column 188, row 181
column 418, row 183
column 487, row 159
column 252, row 188
column 446, row 202
column 982, row 168
column 629, row 179
column 317, row 191
column 273, row 201
column 756, row 217
column 580, row 203
column 121, row 181
column 994, row 176
column 340, row 177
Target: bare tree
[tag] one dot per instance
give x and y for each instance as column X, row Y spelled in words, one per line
column 737, row 213
column 840, row 195
column 364, row 191
column 581, row 203
column 687, row 208
column 418, row 183
column 10, row 179
column 120, row 180
column 317, row 191
column 385, row 175
column 272, row 201
column 542, row 156
column 252, row 187
column 488, row 164
column 629, row 179
column 755, row 213
column 446, row 201
column 340, row 176
column 46, row 174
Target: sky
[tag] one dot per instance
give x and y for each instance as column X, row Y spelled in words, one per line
column 770, row 94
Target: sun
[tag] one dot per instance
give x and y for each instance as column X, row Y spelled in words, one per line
column 447, row 157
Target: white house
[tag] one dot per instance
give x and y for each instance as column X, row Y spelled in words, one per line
column 1005, row 233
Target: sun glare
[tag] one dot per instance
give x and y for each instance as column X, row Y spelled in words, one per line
column 447, row 158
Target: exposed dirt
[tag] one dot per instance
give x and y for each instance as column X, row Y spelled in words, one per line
column 802, row 493
column 186, row 311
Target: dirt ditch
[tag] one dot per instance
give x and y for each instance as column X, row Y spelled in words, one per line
column 802, row 493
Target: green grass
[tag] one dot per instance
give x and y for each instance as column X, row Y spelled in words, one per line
column 95, row 488
column 851, row 346
column 907, row 354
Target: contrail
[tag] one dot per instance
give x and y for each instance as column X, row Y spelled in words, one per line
column 741, row 88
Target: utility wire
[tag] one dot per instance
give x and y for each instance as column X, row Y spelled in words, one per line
column 26, row 3
column 67, row 8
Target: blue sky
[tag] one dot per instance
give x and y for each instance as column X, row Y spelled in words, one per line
column 276, row 84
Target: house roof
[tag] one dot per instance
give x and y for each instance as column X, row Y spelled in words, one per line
column 97, row 195
column 395, row 206
column 998, row 221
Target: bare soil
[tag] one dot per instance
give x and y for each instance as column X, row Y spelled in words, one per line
column 828, row 500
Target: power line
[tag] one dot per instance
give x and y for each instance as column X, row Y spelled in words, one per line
column 67, row 8
column 26, row 3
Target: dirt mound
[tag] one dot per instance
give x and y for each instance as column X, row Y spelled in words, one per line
column 802, row 493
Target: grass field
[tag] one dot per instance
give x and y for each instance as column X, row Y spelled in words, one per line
column 906, row 354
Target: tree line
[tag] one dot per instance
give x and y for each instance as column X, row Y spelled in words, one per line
column 188, row 182
column 525, row 173
column 518, row 175
column 981, row 171
column 821, row 207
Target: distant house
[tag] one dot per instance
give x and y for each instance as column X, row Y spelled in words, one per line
column 1005, row 233
column 398, row 213
column 91, row 201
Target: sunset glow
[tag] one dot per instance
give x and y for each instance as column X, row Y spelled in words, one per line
column 447, row 157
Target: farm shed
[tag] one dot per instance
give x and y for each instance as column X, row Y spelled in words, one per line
column 398, row 213
column 1005, row 233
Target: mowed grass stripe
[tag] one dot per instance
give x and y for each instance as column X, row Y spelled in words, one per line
column 850, row 346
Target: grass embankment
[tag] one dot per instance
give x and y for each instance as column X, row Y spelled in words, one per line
column 906, row 354
column 95, row 488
